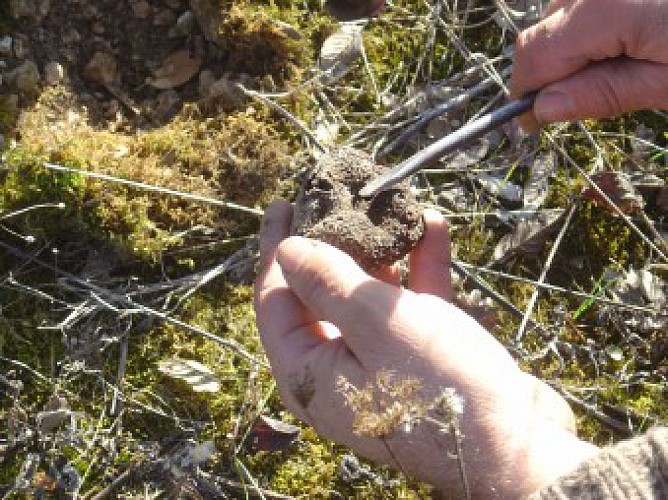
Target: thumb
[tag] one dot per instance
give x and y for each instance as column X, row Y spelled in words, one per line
column 604, row 89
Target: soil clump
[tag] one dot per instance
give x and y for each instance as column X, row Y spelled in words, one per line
column 374, row 231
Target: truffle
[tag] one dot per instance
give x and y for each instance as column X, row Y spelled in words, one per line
column 374, row 231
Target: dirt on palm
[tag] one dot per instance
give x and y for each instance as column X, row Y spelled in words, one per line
column 374, row 231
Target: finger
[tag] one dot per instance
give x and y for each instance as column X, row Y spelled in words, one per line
column 555, row 5
column 429, row 262
column 388, row 274
column 604, row 89
column 335, row 289
column 275, row 228
column 279, row 313
column 564, row 42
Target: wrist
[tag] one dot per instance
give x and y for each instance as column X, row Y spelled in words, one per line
column 554, row 452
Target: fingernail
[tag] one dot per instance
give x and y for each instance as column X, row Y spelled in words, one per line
column 553, row 106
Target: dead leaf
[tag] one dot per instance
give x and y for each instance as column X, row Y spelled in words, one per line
column 48, row 421
column 536, row 188
column 529, row 234
column 640, row 287
column 617, row 186
column 340, row 50
column 200, row 377
column 498, row 186
column 269, row 434
column 177, row 68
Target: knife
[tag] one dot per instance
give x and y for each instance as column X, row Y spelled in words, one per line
column 451, row 142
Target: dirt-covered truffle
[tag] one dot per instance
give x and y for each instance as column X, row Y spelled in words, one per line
column 374, row 231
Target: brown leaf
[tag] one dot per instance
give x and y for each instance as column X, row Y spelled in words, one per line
column 529, row 235
column 177, row 69
column 339, row 51
column 269, row 434
column 617, row 186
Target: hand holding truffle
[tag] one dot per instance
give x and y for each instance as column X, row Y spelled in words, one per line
column 322, row 319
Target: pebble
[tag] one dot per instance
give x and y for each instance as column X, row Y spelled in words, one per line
column 24, row 78
column 6, row 46
column 54, row 73
column 102, row 68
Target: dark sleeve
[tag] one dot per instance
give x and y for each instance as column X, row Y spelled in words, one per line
column 631, row 470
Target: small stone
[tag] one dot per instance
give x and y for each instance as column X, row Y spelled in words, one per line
column 24, row 78
column 165, row 17
column 173, row 4
column 102, row 68
column 141, row 10
column 5, row 46
column 53, row 73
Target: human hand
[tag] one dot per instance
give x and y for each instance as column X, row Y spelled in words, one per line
column 321, row 317
column 593, row 59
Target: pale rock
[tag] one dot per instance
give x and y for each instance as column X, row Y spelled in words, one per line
column 54, row 73
column 24, row 78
